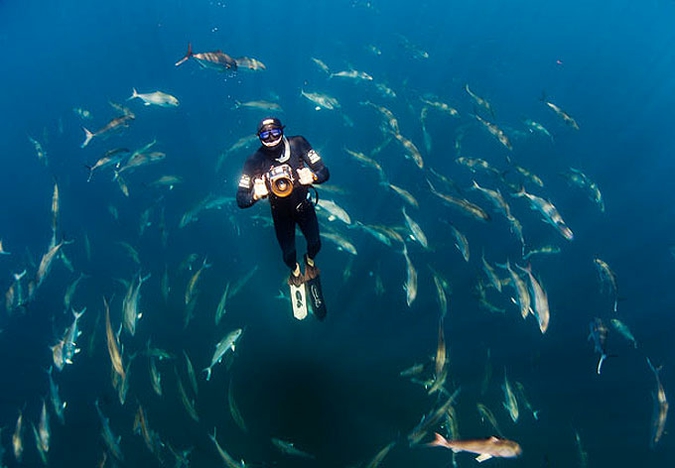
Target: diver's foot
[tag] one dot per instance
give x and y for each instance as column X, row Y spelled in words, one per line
column 311, row 270
column 296, row 278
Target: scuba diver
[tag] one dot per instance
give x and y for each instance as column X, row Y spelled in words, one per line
column 283, row 169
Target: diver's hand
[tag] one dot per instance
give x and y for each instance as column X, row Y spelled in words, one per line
column 305, row 176
column 259, row 189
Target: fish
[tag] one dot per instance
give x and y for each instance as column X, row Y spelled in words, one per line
column 155, row 377
column 441, row 352
column 17, row 438
column 376, row 461
column 496, row 198
column 111, row 442
column 249, row 63
column 2, row 250
column 44, row 433
column 440, row 106
column 510, row 401
column 131, row 303
column 322, row 101
column 411, row 150
column 57, row 405
column 466, row 207
column 113, row 345
column 480, row 101
column 39, row 150
column 41, row 452
column 461, row 242
column 191, row 288
column 46, row 262
column 137, row 160
column 562, row 114
column 579, row 179
column 491, row 274
column 660, row 408
column 335, row 211
column 405, row 195
column 623, row 329
column 258, row 105
column 496, row 132
column 598, row 335
column 70, row 337
column 353, row 75
column 156, row 98
column 485, row 448
column 321, row 64
column 241, row 282
column 228, row 343
column 188, row 404
column 226, row 457
column 583, row 455
column 150, row 437
column 537, row 127
column 217, row 60
column 476, row 164
column 539, row 297
column 114, row 124
column 390, row 120
column 416, row 231
column 340, row 241
column 523, row 299
column 220, row 310
column 70, row 291
column 608, row 277
column 441, row 295
column 431, row 419
column 234, row 409
column 191, row 373
column 111, row 157
column 549, row 212
column 410, row 286
column 366, row 161
column 288, row 448
column 526, row 402
column 547, row 249
column 485, row 413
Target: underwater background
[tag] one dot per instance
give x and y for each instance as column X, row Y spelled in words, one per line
column 334, row 388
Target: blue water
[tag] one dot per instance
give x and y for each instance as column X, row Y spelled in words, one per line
column 333, row 387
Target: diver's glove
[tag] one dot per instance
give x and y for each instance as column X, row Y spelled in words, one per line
column 259, row 189
column 305, row 176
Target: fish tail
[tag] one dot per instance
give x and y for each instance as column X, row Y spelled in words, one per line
column 439, row 441
column 187, row 55
column 134, row 94
column 602, row 359
column 88, row 137
column 208, row 373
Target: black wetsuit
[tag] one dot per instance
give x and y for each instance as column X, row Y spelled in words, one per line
column 294, row 209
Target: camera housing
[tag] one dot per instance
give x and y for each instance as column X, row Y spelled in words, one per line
column 280, row 180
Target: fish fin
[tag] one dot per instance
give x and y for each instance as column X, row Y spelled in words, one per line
column 602, row 359
column 146, row 103
column 439, row 441
column 187, row 55
column 88, row 137
column 482, row 457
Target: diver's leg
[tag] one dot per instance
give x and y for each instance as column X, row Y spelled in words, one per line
column 284, row 228
column 309, row 226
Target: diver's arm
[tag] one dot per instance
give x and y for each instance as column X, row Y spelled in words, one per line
column 245, row 192
column 315, row 163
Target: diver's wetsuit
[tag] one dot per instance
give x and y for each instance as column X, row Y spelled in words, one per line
column 295, row 208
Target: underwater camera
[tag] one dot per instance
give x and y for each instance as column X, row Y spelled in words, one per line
column 280, row 180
